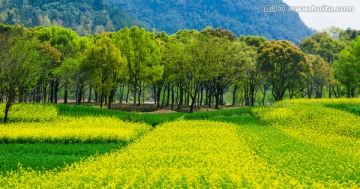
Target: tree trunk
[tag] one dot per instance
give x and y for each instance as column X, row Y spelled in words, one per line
column 96, row 96
column 221, row 97
column 252, row 95
column 7, row 109
column 330, row 93
column 163, row 99
column 66, row 93
column 318, row 91
column 188, row 100
column 52, row 91
column 264, row 95
column 111, row 97
column 201, row 96
column 90, row 93
column 168, row 96
column 121, row 98
column 246, row 96
column 158, row 95
column 193, row 102
column 206, row 96
column 79, row 97
column 127, row 94
column 101, row 99
column 38, row 94
column 181, row 97
column 172, row 97
column 154, row 94
column 210, row 100
column 135, row 87
column 139, row 95
column 44, row 92
column 56, row 89
column 234, row 95
column 217, row 100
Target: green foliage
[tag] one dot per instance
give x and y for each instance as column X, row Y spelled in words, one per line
column 255, row 41
column 321, row 74
column 142, row 54
column 347, row 68
column 66, row 41
column 322, row 44
column 285, row 66
column 104, row 65
column 84, row 16
column 19, row 64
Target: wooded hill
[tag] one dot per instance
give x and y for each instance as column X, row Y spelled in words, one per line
column 90, row 16
column 240, row 17
column 83, row 16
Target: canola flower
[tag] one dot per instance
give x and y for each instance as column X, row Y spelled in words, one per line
column 303, row 144
column 324, row 144
column 30, row 112
column 182, row 154
column 73, row 130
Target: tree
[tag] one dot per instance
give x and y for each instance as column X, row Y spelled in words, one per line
column 60, row 44
column 349, row 34
column 220, row 33
column 347, row 68
column 253, row 76
column 19, row 65
column 228, row 59
column 327, row 47
column 104, row 65
column 283, row 64
column 143, row 58
column 322, row 44
column 321, row 75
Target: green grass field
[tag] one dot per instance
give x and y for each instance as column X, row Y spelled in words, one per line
column 292, row 144
column 45, row 156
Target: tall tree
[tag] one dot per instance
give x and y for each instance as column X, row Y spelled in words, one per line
column 66, row 42
column 347, row 68
column 324, row 45
column 253, row 76
column 105, row 65
column 19, row 64
column 284, row 64
column 321, row 75
column 143, row 58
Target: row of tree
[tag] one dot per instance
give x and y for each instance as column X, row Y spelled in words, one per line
column 188, row 68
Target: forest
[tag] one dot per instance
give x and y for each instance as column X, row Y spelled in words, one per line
column 189, row 68
column 241, row 17
column 95, row 16
column 83, row 16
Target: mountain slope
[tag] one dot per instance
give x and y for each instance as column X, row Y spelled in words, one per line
column 240, row 16
column 83, row 16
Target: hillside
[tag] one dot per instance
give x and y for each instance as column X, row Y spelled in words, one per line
column 83, row 16
column 241, row 17
column 89, row 16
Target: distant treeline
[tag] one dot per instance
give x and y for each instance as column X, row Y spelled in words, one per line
column 187, row 68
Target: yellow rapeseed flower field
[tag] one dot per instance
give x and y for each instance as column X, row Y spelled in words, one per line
column 30, row 112
column 73, row 130
column 182, row 154
column 296, row 144
column 328, row 139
